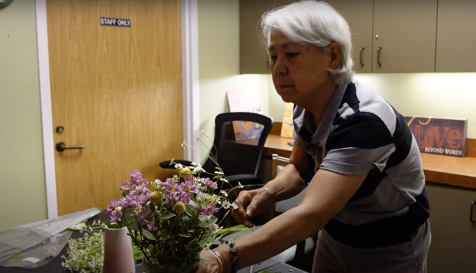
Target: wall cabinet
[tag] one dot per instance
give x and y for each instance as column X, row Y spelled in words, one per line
column 456, row 37
column 359, row 16
column 388, row 36
column 453, row 240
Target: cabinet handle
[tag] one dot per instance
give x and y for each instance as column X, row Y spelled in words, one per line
column 471, row 212
column 379, row 52
column 362, row 56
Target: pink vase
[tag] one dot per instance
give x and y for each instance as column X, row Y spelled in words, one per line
column 118, row 257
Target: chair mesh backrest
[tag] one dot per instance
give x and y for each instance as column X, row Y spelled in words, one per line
column 239, row 141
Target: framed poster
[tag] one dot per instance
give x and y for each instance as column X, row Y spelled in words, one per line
column 245, row 101
column 439, row 135
column 287, row 127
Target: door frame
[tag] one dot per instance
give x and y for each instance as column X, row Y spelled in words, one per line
column 190, row 92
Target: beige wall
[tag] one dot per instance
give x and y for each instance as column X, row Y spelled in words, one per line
column 443, row 95
column 219, row 65
column 439, row 95
column 22, row 180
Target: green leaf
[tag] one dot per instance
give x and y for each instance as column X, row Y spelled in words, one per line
column 213, row 219
column 188, row 210
column 168, row 216
column 109, row 225
column 152, row 206
column 191, row 243
column 204, row 224
column 186, row 235
column 155, row 183
column 149, row 235
column 193, row 203
column 213, row 241
column 206, row 221
column 203, row 218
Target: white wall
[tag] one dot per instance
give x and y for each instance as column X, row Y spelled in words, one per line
column 22, row 179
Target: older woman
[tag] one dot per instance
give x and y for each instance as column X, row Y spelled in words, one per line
column 366, row 195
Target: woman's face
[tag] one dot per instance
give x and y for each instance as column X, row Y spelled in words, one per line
column 299, row 70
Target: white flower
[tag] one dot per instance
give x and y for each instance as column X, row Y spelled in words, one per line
column 224, row 193
column 198, row 169
column 184, row 144
column 226, row 204
column 214, row 228
column 224, row 180
column 220, row 173
column 234, row 205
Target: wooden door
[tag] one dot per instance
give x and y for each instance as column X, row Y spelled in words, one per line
column 116, row 90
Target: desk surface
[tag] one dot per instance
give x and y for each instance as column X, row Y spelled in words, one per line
column 55, row 265
column 449, row 170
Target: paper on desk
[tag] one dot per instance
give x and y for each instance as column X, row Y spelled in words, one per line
column 40, row 254
column 39, row 237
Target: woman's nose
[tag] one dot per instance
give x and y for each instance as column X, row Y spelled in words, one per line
column 280, row 67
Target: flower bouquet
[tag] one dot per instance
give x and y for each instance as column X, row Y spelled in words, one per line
column 171, row 221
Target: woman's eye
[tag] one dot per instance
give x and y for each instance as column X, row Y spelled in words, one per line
column 291, row 54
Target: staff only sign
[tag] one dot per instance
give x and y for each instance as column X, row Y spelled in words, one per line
column 114, row 22
column 439, row 135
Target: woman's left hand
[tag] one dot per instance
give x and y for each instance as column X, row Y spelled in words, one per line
column 208, row 263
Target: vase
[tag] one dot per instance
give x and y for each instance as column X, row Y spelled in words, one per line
column 118, row 256
column 154, row 269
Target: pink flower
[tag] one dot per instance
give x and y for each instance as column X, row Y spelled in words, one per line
column 209, row 210
column 208, row 184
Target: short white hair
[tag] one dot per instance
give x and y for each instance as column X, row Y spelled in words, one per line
column 316, row 23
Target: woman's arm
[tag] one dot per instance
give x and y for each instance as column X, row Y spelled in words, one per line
column 285, row 185
column 326, row 195
column 289, row 181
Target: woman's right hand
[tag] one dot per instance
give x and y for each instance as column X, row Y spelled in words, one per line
column 250, row 204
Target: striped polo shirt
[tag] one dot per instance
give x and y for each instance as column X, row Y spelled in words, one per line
column 384, row 226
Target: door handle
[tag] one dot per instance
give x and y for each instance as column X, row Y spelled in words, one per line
column 61, row 146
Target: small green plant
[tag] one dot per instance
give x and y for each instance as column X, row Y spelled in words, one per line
column 86, row 254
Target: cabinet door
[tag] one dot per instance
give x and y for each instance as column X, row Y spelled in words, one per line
column 253, row 55
column 404, row 36
column 456, row 38
column 358, row 14
column 453, row 236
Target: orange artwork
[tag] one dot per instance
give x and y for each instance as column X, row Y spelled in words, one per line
column 287, row 127
column 245, row 101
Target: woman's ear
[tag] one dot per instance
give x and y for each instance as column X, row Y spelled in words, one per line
column 335, row 55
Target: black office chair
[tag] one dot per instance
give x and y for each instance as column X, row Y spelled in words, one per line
column 238, row 144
